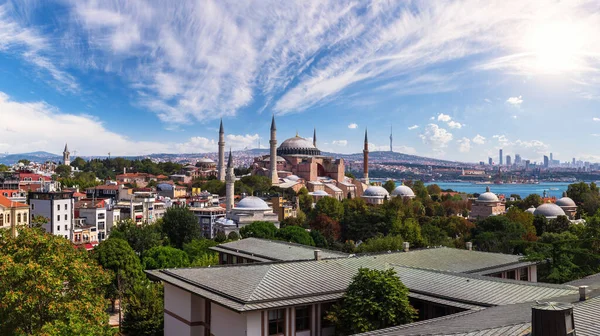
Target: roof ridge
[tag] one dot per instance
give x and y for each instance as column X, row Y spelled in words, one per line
column 296, row 245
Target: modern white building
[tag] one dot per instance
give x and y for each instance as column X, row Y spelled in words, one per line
column 57, row 207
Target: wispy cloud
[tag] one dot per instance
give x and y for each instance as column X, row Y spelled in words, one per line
column 596, row 119
column 413, row 127
column 339, row 142
column 516, row 101
column 353, row 126
column 479, row 139
column 464, row 145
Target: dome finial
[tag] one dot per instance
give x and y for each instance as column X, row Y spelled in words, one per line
column 487, row 189
column 297, row 134
column 564, row 194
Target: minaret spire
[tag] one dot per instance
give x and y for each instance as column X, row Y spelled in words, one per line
column 366, row 159
column 221, row 164
column 391, row 139
column 229, row 184
column 315, row 137
column 273, row 154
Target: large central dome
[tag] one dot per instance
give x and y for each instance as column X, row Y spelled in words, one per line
column 299, row 146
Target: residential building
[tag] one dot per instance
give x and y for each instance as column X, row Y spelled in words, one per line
column 282, row 208
column 57, row 207
column 13, row 214
column 15, row 195
column 95, row 215
column 207, row 219
column 138, row 179
column 171, row 190
column 112, row 190
column 142, row 207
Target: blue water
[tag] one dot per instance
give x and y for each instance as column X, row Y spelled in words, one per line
column 552, row 188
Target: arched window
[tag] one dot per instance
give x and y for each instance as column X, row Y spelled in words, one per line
column 1, row 219
column 18, row 218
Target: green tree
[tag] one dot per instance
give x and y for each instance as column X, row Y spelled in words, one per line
column 420, row 190
column 220, row 237
column 181, row 226
column 164, row 257
column 233, row 236
column 199, row 252
column 24, row 161
column 533, row 200
column 559, row 250
column 525, row 219
column 559, row 224
column 374, row 300
column 498, row 234
column 140, row 237
column 319, row 239
column 259, row 184
column 381, row 244
column 295, row 234
column 78, row 163
column 63, row 171
column 541, row 225
column 259, row 229
column 306, row 201
column 4, row 168
column 389, row 185
column 116, row 255
column 299, row 220
column 434, row 189
column 47, row 287
column 144, row 314
column 350, row 175
column 331, row 207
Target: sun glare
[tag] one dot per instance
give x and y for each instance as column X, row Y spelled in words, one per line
column 555, row 47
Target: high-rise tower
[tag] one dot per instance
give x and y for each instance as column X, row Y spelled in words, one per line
column 66, row 156
column 273, row 155
column 221, row 163
column 500, row 155
column 366, row 159
column 229, row 184
column 391, row 139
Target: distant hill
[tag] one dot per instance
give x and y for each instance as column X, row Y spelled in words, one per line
column 33, row 156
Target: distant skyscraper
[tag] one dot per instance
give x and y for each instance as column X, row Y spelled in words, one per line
column 501, row 158
column 490, row 161
column 527, row 162
column 573, row 161
column 546, row 161
column 517, row 159
column 551, row 157
column 391, row 139
column 508, row 160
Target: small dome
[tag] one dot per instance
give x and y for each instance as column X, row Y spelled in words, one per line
column 403, row 191
column 531, row 210
column 292, row 177
column 205, row 160
column 376, row 191
column 488, row 197
column 320, row 193
column 164, row 186
column 566, row 202
column 549, row 210
column 252, row 203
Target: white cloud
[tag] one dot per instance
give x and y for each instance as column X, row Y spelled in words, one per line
column 435, row 136
column 38, row 126
column 516, row 101
column 464, row 145
column 353, row 126
column 413, row 127
column 405, row 149
column 454, row 124
column 443, row 117
column 487, row 100
column 479, row 140
column 595, row 134
column 502, row 139
column 339, row 142
column 596, row 119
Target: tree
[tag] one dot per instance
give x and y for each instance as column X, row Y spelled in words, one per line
column 374, row 300
column 220, row 237
column 259, row 229
column 233, row 236
column 63, row 171
column 498, row 234
column 299, row 220
column 24, row 161
column 525, row 219
column 305, row 200
column 350, row 175
column 181, row 226
column 319, row 239
column 78, row 163
column 295, row 234
column 558, row 249
column 420, row 190
column 199, row 252
column 434, row 189
column 164, row 257
column 389, row 185
column 144, row 314
column 533, row 200
column 559, row 224
column 541, row 225
column 331, row 207
column 330, row 228
column 49, row 287
column 116, row 255
column 4, row 168
column 381, row 244
column 140, row 237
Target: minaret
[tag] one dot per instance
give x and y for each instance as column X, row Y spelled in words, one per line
column 66, row 158
column 391, row 139
column 221, row 163
column 366, row 159
column 229, row 184
column 273, row 156
column 315, row 138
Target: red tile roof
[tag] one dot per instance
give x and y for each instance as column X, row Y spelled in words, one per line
column 5, row 202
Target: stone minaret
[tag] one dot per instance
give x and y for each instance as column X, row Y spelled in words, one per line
column 273, row 155
column 66, row 156
column 230, row 183
column 366, row 159
column 221, row 163
column 315, row 138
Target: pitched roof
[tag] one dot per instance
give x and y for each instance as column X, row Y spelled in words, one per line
column 274, row 250
column 7, row 203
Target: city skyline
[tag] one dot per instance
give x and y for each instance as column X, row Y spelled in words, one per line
column 454, row 80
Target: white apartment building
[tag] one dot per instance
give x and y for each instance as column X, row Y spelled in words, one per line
column 57, row 207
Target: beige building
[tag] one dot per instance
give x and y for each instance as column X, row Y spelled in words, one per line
column 13, row 214
column 486, row 205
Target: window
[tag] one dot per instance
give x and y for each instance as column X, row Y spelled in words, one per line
column 65, row 217
column 1, row 219
column 58, row 218
column 223, row 259
column 302, row 318
column 511, row 275
column 18, row 218
column 58, row 228
column 234, row 259
column 32, row 206
column 524, row 274
column 66, row 228
column 8, row 218
column 58, row 207
column 101, row 215
column 276, row 322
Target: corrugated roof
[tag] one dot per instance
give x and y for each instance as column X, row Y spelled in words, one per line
column 276, row 250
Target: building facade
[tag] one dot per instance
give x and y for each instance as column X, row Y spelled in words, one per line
column 13, row 214
column 58, row 208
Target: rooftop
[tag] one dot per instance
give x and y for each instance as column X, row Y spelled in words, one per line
column 275, row 250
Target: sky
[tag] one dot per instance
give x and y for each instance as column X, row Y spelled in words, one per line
column 454, row 80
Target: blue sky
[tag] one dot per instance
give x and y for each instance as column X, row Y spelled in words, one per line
column 456, row 79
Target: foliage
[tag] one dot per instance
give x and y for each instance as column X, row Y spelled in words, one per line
column 498, row 234
column 256, row 183
column 81, row 179
column 140, row 238
column 381, row 244
column 374, row 300
column 559, row 224
column 24, row 161
column 63, row 171
column 434, row 189
column 144, row 314
column 48, row 287
column 181, row 226
column 350, row 175
column 389, row 185
column 199, row 253
column 420, row 190
column 109, row 167
column 295, row 234
column 306, row 201
column 540, row 223
column 526, row 220
column 299, row 220
column 212, row 186
column 233, row 236
column 533, row 200
column 117, row 256
column 38, row 221
column 220, row 237
column 164, row 257
column 78, row 163
column 331, row 207
column 319, row 239
column 259, row 229
column 4, row 168
column 327, row 226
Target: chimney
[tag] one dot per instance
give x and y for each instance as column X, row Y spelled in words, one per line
column 582, row 293
column 469, row 246
column 317, row 254
column 406, row 246
column 124, row 170
column 552, row 319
